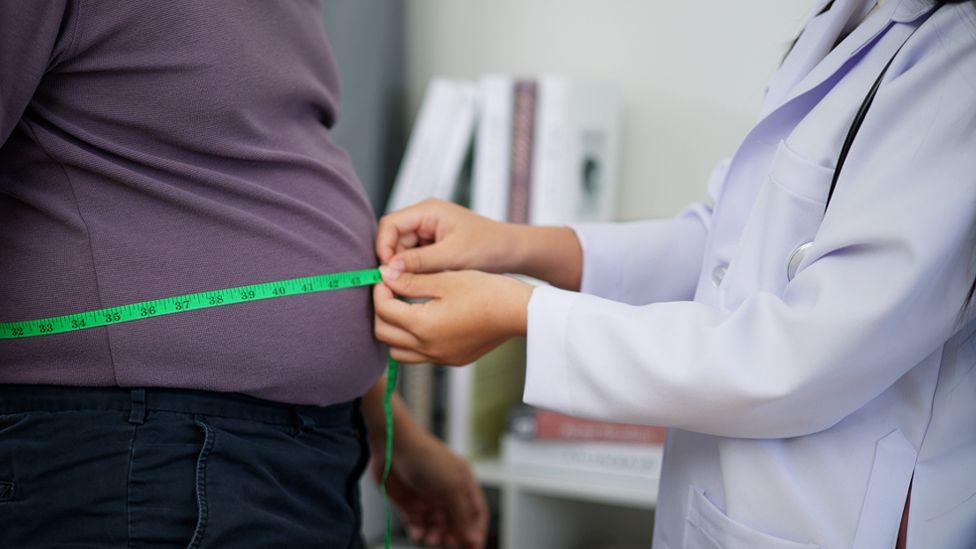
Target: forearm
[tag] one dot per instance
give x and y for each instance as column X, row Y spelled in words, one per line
column 374, row 416
column 552, row 254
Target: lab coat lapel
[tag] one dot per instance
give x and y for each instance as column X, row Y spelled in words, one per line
column 756, row 150
column 894, row 11
column 738, row 193
column 812, row 45
column 861, row 36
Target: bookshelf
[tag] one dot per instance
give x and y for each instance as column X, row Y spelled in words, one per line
column 550, row 507
column 541, row 149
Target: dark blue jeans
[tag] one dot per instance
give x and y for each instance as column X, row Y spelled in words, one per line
column 91, row 467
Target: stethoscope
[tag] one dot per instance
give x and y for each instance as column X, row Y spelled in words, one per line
column 796, row 258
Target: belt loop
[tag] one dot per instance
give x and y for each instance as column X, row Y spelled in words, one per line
column 303, row 423
column 137, row 416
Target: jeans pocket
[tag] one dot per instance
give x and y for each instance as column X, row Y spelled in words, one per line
column 63, row 479
column 201, row 484
column 8, row 422
column 263, row 485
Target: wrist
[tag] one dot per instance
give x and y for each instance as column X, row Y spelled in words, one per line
column 553, row 254
column 517, row 320
column 517, row 248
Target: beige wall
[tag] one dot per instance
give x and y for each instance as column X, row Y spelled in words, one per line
column 690, row 73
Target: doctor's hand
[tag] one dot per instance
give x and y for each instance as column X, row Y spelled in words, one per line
column 435, row 235
column 468, row 313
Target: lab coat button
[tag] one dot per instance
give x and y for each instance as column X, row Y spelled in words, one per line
column 718, row 273
column 796, row 258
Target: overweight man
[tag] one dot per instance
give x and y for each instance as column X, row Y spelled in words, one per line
column 151, row 149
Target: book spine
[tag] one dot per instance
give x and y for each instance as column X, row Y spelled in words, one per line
column 596, row 457
column 523, row 127
column 556, row 426
column 416, row 389
column 456, row 138
column 493, row 148
column 414, row 179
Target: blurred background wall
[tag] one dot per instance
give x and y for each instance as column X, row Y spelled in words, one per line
column 690, row 74
column 367, row 38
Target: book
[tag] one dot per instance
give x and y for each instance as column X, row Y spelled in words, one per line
column 493, row 143
column 574, row 171
column 616, row 458
column 520, row 164
column 556, row 138
column 416, row 386
column 531, row 423
column 435, row 153
column 544, row 152
column 433, row 167
column 480, row 396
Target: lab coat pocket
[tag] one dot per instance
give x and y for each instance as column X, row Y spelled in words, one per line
column 786, row 215
column 706, row 527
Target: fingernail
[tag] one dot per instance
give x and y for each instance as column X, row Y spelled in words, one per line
column 388, row 273
column 398, row 265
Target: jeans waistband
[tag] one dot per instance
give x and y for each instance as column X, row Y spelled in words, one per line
column 46, row 398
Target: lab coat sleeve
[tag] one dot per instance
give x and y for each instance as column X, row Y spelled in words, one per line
column 647, row 261
column 29, row 42
column 882, row 289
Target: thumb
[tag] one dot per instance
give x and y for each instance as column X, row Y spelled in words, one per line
column 408, row 284
column 424, row 259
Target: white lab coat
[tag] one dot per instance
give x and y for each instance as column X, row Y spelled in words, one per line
column 801, row 409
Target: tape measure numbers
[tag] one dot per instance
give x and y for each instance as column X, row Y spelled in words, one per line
column 188, row 302
column 219, row 298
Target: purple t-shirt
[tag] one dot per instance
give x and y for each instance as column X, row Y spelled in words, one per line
column 154, row 148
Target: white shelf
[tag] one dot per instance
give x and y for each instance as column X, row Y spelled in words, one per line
column 626, row 491
column 543, row 507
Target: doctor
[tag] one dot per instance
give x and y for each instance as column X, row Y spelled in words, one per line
column 815, row 361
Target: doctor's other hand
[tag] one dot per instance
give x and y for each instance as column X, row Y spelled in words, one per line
column 467, row 314
column 435, row 235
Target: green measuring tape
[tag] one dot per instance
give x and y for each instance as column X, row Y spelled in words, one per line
column 188, row 302
column 218, row 298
